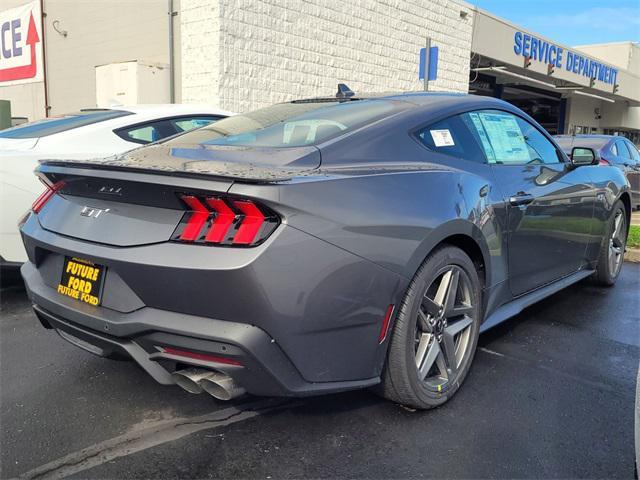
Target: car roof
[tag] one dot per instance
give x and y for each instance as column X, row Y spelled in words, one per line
column 594, row 136
column 416, row 98
column 166, row 109
column 430, row 103
column 589, row 141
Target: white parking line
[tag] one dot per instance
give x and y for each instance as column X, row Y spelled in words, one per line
column 142, row 439
column 486, row 350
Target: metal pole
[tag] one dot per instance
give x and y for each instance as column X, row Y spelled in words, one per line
column 172, row 88
column 426, row 64
column 44, row 61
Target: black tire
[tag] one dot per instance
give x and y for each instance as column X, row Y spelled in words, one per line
column 400, row 377
column 607, row 272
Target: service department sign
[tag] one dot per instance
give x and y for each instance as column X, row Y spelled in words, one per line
column 529, row 54
column 21, row 45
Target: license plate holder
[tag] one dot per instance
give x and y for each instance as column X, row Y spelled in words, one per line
column 82, row 280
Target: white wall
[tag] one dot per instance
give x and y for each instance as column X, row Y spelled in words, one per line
column 621, row 54
column 27, row 100
column 200, row 51
column 580, row 111
column 99, row 32
column 245, row 54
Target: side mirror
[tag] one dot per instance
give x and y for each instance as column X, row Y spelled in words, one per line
column 583, row 156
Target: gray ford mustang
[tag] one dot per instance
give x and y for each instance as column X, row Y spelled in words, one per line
column 321, row 245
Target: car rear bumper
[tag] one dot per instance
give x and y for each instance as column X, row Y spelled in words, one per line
column 264, row 369
column 301, row 316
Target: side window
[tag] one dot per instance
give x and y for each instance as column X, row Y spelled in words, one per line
column 147, row 132
column 453, row 137
column 510, row 140
column 635, row 155
column 623, row 151
column 144, row 133
column 186, row 124
column 614, row 148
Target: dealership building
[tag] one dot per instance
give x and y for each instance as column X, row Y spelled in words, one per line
column 245, row 54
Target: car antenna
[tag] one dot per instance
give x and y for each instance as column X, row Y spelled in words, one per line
column 344, row 91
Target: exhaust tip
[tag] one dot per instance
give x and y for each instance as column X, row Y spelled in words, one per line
column 222, row 387
column 189, row 379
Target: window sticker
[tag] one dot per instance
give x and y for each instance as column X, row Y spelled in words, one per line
column 442, row 138
column 486, row 144
column 501, row 137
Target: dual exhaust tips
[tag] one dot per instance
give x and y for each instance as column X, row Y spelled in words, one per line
column 216, row 384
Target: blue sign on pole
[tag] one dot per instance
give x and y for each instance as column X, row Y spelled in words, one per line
column 433, row 64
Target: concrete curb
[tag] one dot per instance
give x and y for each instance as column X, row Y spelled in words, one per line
column 632, row 255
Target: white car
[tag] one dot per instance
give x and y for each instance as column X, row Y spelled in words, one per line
column 91, row 133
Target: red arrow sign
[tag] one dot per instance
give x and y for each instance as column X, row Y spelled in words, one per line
column 24, row 71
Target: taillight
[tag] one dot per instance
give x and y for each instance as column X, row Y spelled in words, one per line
column 46, row 196
column 604, row 161
column 218, row 220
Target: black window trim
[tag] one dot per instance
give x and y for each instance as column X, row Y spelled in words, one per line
column 121, row 131
column 413, row 133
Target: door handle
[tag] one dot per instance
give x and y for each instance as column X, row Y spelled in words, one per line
column 521, row 199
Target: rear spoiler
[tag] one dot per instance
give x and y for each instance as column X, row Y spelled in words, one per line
column 246, row 173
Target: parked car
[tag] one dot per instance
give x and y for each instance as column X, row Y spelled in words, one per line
column 88, row 133
column 610, row 150
column 321, row 245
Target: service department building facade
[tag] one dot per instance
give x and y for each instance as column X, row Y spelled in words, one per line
column 245, row 54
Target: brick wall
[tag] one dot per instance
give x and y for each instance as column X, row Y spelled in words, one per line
column 245, row 54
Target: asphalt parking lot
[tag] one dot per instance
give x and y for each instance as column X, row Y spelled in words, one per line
column 551, row 394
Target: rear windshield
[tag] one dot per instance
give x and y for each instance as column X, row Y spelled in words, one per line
column 291, row 124
column 49, row 126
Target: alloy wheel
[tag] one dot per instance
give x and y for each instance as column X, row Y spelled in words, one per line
column 617, row 243
column 443, row 328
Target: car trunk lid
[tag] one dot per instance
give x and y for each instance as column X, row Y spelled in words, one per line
column 135, row 199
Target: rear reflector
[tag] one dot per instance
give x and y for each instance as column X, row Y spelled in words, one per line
column 199, row 356
column 224, row 221
column 46, row 196
column 386, row 321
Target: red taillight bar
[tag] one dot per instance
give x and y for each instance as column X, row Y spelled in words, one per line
column 46, row 196
column 251, row 224
column 197, row 219
column 222, row 220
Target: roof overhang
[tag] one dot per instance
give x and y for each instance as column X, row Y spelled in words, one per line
column 515, row 56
